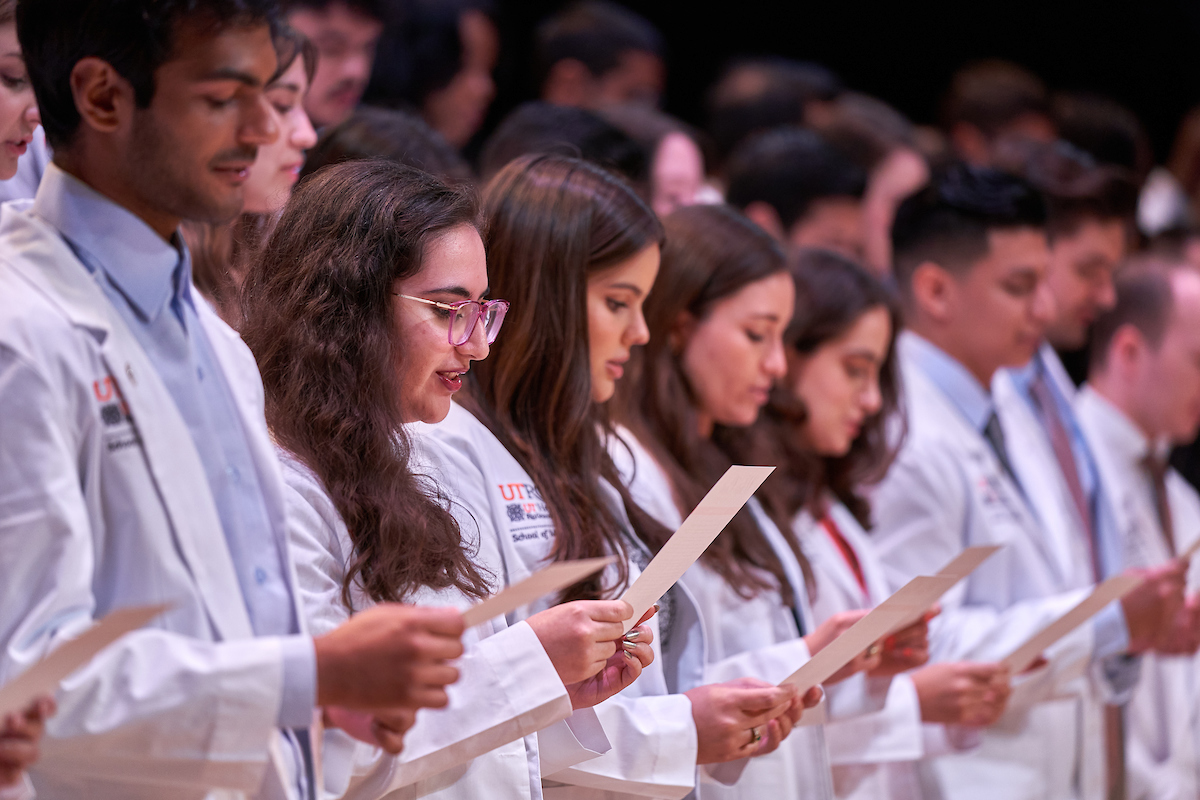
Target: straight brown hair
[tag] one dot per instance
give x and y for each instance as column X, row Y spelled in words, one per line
column 712, row 253
column 552, row 222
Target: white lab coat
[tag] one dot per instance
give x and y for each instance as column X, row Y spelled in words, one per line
column 651, row 731
column 873, row 755
column 736, row 637
column 1161, row 746
column 102, row 509
column 946, row 491
column 483, row 743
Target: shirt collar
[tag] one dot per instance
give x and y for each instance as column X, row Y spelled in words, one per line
column 966, row 393
column 1122, row 434
column 111, row 239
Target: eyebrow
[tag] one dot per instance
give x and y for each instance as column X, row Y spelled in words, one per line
column 230, row 74
column 637, row 291
column 766, row 316
column 457, row 291
column 291, row 87
column 862, row 353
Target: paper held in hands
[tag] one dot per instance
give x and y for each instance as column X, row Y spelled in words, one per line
column 43, row 677
column 553, row 578
column 1112, row 589
column 697, row 532
column 899, row 611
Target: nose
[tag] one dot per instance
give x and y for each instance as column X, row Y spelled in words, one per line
column 304, row 135
column 358, row 65
column 872, row 399
column 476, row 347
column 1106, row 293
column 638, row 331
column 1044, row 307
column 261, row 126
column 775, row 362
column 32, row 116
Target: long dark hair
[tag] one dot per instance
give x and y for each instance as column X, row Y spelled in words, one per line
column 832, row 294
column 318, row 318
column 552, row 222
column 712, row 253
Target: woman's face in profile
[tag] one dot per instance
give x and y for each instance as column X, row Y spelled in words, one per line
column 18, row 108
column 430, row 369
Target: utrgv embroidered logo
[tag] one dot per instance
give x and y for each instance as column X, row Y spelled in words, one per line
column 113, row 409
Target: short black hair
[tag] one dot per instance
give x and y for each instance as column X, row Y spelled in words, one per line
column 948, row 221
column 789, row 168
column 382, row 10
column 1145, row 300
column 134, row 36
column 596, row 33
column 757, row 94
column 1106, row 130
column 991, row 94
column 539, row 127
column 394, row 135
column 1076, row 188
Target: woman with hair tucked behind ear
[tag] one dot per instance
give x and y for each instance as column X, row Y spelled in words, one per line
column 365, row 305
column 827, row 426
column 19, row 118
column 576, row 252
column 716, row 317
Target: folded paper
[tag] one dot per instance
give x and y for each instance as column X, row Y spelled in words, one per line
column 43, row 677
column 1112, row 589
column 545, row 581
column 697, row 532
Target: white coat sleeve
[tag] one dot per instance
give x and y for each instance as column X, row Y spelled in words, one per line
column 507, row 687
column 181, row 711
column 922, row 512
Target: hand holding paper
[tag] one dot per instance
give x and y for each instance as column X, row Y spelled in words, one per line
column 697, row 532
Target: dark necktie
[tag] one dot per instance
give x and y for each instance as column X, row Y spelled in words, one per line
column 995, row 436
column 1156, row 467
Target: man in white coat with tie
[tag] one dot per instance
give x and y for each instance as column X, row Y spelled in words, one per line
column 135, row 463
column 1090, row 213
column 1142, row 396
column 971, row 260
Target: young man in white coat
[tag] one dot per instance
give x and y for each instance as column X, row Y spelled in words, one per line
column 135, row 463
column 1090, row 212
column 971, row 259
column 1142, row 396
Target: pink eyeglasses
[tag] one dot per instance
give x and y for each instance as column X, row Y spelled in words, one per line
column 464, row 315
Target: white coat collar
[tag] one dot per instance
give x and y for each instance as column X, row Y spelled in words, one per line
column 1121, row 435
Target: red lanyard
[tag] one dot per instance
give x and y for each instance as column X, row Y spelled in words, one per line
column 846, row 550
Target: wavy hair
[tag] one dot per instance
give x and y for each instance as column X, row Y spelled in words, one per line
column 712, row 253
column 553, row 222
column 318, row 311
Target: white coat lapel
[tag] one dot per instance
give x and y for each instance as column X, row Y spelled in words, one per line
column 170, row 454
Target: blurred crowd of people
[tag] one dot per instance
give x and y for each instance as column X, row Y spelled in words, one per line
column 292, row 345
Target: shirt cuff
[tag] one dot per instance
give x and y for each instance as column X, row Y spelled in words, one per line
column 1111, row 632
column 299, row 682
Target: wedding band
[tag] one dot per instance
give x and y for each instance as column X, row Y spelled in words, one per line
column 755, row 736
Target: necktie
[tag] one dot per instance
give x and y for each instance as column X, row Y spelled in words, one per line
column 1060, row 442
column 995, row 436
column 1156, row 467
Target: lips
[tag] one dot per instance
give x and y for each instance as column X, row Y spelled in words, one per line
column 452, row 381
column 234, row 173
column 16, row 149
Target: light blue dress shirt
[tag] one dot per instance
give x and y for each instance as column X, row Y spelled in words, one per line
column 148, row 281
column 975, row 403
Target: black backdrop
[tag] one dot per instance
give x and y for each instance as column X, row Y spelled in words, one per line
column 1144, row 53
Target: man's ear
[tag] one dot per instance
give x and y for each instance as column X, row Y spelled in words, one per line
column 933, row 289
column 104, row 99
column 568, row 83
column 1126, row 348
column 766, row 217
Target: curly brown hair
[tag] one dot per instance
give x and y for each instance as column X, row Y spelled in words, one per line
column 317, row 307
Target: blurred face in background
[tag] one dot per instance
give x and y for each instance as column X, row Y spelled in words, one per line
column 18, row 108
column 832, row 223
column 345, row 39
column 638, row 78
column 838, row 383
column 1169, row 404
column 1082, row 263
column 677, row 174
column 734, row 355
column 457, row 110
column 277, row 166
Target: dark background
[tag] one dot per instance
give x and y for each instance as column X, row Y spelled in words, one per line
column 1143, row 53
